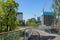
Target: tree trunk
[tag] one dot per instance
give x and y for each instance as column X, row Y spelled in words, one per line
column 58, row 21
column 6, row 25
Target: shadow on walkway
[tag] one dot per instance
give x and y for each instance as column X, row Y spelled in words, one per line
column 34, row 37
column 37, row 37
column 47, row 37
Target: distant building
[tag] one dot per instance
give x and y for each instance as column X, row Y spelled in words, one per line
column 47, row 18
column 19, row 16
column 38, row 20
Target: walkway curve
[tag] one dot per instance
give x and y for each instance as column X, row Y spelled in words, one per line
column 35, row 35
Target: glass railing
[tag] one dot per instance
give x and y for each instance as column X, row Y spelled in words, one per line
column 14, row 35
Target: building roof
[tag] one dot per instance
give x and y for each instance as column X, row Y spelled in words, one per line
column 19, row 13
column 47, row 13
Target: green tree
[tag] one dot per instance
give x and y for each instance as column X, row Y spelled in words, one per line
column 31, row 22
column 54, row 19
column 1, row 14
column 56, row 8
column 8, row 14
column 21, row 23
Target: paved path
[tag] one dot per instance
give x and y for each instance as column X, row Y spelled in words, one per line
column 35, row 35
column 41, row 35
column 47, row 36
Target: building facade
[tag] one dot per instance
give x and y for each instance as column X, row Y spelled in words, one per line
column 38, row 20
column 47, row 18
column 19, row 16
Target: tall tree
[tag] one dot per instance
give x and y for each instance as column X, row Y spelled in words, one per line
column 32, row 22
column 8, row 12
column 56, row 7
column 1, row 14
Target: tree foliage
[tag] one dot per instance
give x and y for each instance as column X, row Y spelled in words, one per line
column 21, row 23
column 31, row 22
column 8, row 10
column 56, row 8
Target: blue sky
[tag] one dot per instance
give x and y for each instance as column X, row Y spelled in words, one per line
column 33, row 7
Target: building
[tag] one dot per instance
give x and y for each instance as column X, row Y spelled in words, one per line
column 47, row 18
column 38, row 20
column 19, row 16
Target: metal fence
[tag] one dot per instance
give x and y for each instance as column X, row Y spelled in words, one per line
column 14, row 35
